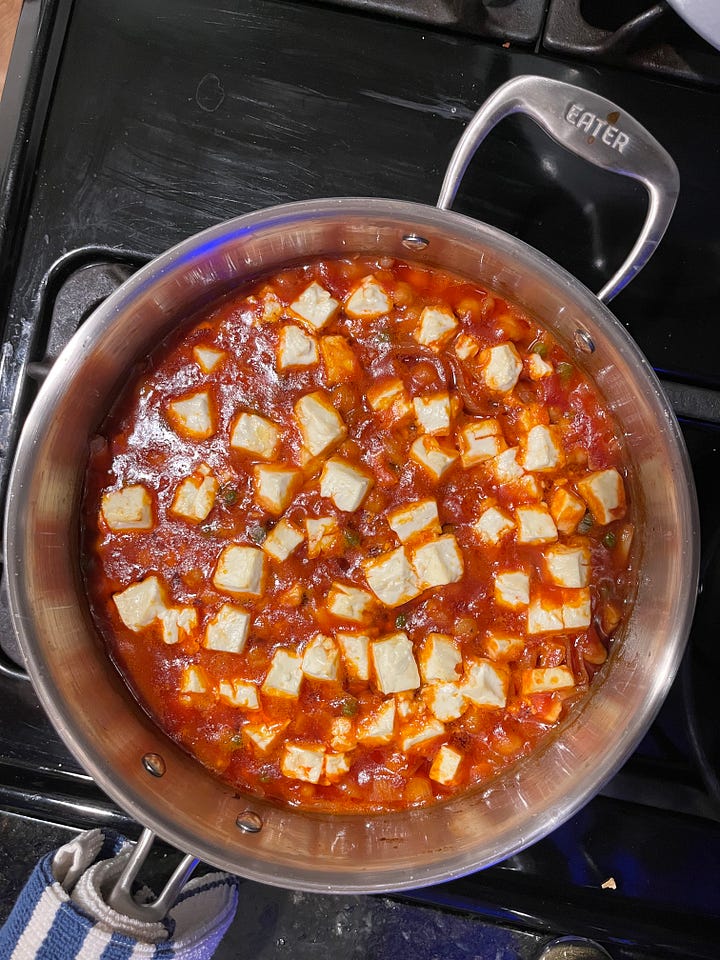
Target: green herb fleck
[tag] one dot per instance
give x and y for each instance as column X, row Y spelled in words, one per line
column 565, row 370
column 257, row 533
column 229, row 495
column 586, row 522
column 400, row 621
column 349, row 707
column 540, row 348
column 383, row 336
column 610, row 540
column 352, row 538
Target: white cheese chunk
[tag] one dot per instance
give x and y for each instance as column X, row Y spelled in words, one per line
column 193, row 680
column 379, row 726
column 195, row 497
column 391, row 578
column 544, row 616
column 338, row 359
column 193, row 416
column 576, row 609
column 320, row 658
column 129, row 508
column 538, row 368
column 336, row 765
column 342, row 734
column 503, row 646
column 390, row 396
column 323, row 535
column 434, row 457
column 319, row 422
column 445, row 701
column 493, row 525
column 368, row 300
column 566, row 509
column 240, row 570
column 207, row 358
column 505, row 466
column 255, row 434
column 546, row 680
column 315, row 306
column 512, row 589
column 227, row 631
column 176, row 621
column 345, row 484
column 418, row 733
column 414, row 519
column 271, row 306
column 283, row 539
column 440, row 658
column 434, row 413
column 350, row 603
column 485, row 684
column 604, row 493
column 355, row 648
column 394, row 663
column 275, row 486
column 466, row 347
column 285, row 674
column 445, row 766
column 501, row 367
column 480, row 440
column 140, row 604
column 567, row 566
column 438, row 562
column 535, row 525
column 295, row 348
column 542, row 451
column 437, row 325
column 264, row 735
column 239, row 693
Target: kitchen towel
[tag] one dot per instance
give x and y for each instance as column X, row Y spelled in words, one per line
column 61, row 914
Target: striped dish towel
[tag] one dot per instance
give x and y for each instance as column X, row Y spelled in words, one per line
column 61, row 915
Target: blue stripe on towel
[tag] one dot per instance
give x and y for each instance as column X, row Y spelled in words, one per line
column 20, row 915
column 66, row 935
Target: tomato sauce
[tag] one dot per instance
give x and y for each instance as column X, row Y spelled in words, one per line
column 359, row 536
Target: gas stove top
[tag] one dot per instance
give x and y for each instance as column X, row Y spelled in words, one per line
column 126, row 128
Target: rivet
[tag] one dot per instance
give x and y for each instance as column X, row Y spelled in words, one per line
column 154, row 764
column 414, row 242
column 583, row 341
column 249, row 822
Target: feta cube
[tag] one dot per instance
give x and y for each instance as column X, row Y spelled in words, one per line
column 535, row 525
column 336, row 765
column 129, row 508
column 500, row 367
column 193, row 415
column 285, row 674
column 320, row 424
column 567, row 566
column 505, row 467
column 604, row 493
column 271, row 306
column 379, row 726
column 391, row 578
column 193, row 679
column 493, row 525
column 255, row 434
column 440, row 658
column 431, row 455
column 345, row 484
column 283, row 539
column 434, row 413
column 414, row 519
column 207, row 358
column 140, row 604
column 466, row 347
column 445, row 766
column 320, row 658
column 315, row 306
column 437, row 325
column 342, row 734
column 264, row 735
column 503, row 646
column 485, row 684
column 239, row 693
column 417, row 733
column 538, row 368
column 368, row 300
column 438, row 562
column 445, row 701
column 177, row 620
column 545, row 680
column 339, row 360
column 240, row 570
column 355, row 648
column 295, row 348
column 323, row 536
column 512, row 589
column 350, row 603
column 542, row 451
column 576, row 609
column 480, row 440
column 195, row 497
column 227, row 631
column 390, row 396
column 394, row 663
column 275, row 486
column 544, row 615
column 566, row 509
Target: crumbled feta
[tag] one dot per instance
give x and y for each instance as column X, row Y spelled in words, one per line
column 193, row 680
column 344, row 484
column 379, row 726
column 493, row 525
column 394, row 663
column 512, row 589
column 538, row 368
column 437, row 324
column 440, row 658
column 545, row 680
column 275, row 486
column 604, row 493
column 544, row 615
column 177, row 620
column 576, row 609
column 503, row 646
column 314, row 306
column 566, row 509
column 445, row 701
column 390, row 395
column 436, row 459
column 480, row 440
column 336, row 764
column 285, row 674
column 413, row 519
column 535, row 525
column 255, row 434
column 342, row 734
column 320, row 658
column 466, row 347
column 193, row 415
column 542, row 452
column 339, row 360
column 355, row 648
column 368, row 300
column 207, row 358
column 350, row 603
column 505, row 467
column 418, row 733
column 300, row 762
column 129, row 508
column 320, row 424
column 391, row 578
column 296, row 348
column 445, row 766
column 501, row 367
column 485, row 684
column 438, row 562
column 271, row 307
column 567, row 566
column 240, row 570
column 264, row 735
column 228, row 630
column 195, row 497
column 434, row 413
column 239, row 693
column 323, row 535
column 140, row 604
column 282, row 540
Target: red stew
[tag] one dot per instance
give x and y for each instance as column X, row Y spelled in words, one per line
column 359, row 537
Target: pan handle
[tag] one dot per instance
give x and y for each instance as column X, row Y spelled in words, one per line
column 593, row 128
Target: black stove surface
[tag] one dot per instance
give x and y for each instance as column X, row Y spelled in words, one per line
column 164, row 118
